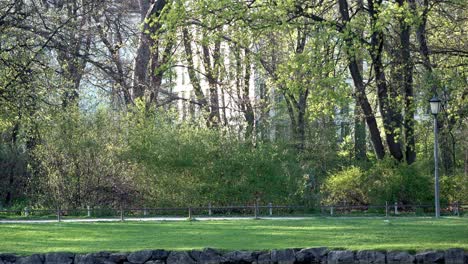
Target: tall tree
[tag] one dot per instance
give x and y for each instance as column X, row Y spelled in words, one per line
column 361, row 94
column 153, row 51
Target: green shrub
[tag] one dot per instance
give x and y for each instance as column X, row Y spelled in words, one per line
column 79, row 161
column 400, row 182
column 454, row 188
column 346, row 186
column 383, row 181
column 186, row 164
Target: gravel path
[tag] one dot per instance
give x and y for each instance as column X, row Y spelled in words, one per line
column 136, row 219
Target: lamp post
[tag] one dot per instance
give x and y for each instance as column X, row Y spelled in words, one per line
column 435, row 109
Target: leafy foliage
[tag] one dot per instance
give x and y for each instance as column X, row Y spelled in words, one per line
column 378, row 183
column 80, row 161
column 184, row 163
column 96, row 159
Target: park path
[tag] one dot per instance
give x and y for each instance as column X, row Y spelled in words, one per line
column 146, row 219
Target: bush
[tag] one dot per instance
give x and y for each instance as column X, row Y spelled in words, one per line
column 383, row 181
column 454, row 188
column 188, row 164
column 346, row 186
column 13, row 174
column 79, row 161
column 148, row 159
column 399, row 182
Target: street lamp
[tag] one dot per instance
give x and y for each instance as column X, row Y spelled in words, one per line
column 435, row 109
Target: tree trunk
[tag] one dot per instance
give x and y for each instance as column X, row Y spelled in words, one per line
column 119, row 74
column 301, row 122
column 10, row 168
column 155, row 69
column 212, row 69
column 246, row 105
column 141, row 82
column 362, row 100
column 361, row 96
column 140, row 67
column 224, row 106
column 447, row 150
column 407, row 77
column 360, row 149
column 292, row 116
column 73, row 69
column 466, row 162
column 200, row 96
column 391, row 118
column 79, row 40
column 423, row 47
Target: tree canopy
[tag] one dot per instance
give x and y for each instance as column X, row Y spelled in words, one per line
column 163, row 102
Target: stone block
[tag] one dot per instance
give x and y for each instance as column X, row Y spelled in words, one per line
column 240, row 257
column 182, row 257
column 118, row 258
column 101, row 254
column 140, row 257
column 399, row 257
column 59, row 258
column 312, row 255
column 84, row 259
column 264, row 258
column 159, row 254
column 207, row 256
column 454, row 256
column 285, row 256
column 7, row 258
column 33, row 259
column 430, row 257
column 370, row 257
column 340, row 256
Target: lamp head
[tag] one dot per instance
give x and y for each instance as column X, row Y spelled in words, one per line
column 435, row 105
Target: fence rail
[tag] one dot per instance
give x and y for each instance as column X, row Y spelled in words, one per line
column 256, row 211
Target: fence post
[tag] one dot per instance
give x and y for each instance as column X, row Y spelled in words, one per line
column 386, row 209
column 121, row 213
column 270, row 208
column 89, row 210
column 457, row 208
column 59, row 217
column 256, row 209
column 26, row 211
column 190, row 213
column 331, row 210
column 396, row 208
column 145, row 212
column 209, row 209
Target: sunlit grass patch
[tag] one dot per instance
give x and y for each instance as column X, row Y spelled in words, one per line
column 413, row 234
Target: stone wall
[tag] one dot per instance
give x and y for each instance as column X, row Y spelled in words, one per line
column 212, row 256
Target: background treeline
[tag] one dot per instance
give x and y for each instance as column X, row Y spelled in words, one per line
column 291, row 102
column 145, row 159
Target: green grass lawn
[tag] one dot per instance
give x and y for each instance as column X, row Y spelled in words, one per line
column 414, row 234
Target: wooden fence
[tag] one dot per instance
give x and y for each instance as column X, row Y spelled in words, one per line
column 256, row 211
